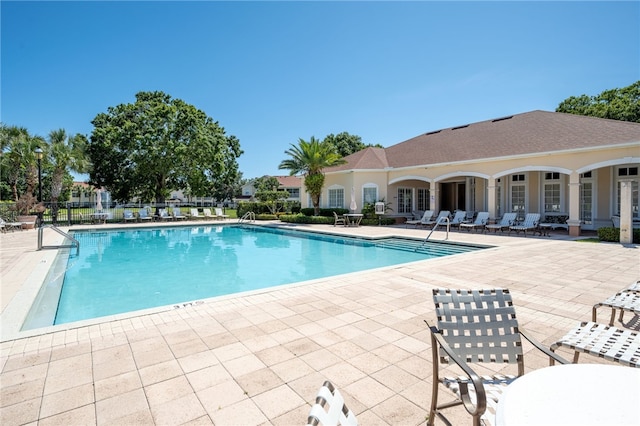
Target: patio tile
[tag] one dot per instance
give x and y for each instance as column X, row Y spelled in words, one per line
column 221, row 395
column 85, row 415
column 115, row 385
column 116, row 409
column 159, row 372
column 243, row 365
column 161, row 393
column 278, row 401
column 399, row 411
column 66, row 400
column 259, row 381
column 178, row 411
column 208, row 377
column 198, row 361
column 244, row 413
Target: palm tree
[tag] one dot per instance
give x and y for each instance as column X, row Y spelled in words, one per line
column 310, row 158
column 64, row 154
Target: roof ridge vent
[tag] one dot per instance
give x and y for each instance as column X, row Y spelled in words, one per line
column 502, row 118
column 433, row 133
column 459, row 127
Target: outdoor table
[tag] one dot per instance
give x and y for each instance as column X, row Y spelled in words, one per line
column 572, row 394
column 352, row 219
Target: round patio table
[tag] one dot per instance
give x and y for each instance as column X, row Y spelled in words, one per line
column 572, row 394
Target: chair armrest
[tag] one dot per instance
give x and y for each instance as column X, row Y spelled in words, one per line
column 552, row 355
column 481, row 395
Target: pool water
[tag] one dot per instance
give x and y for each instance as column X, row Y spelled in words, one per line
column 127, row 270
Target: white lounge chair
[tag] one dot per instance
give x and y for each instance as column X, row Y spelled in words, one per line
column 440, row 219
column 426, row 216
column 128, row 216
column 144, row 216
column 458, row 218
column 338, row 220
column 480, row 222
column 219, row 213
column 530, row 223
column 208, row 215
column 195, row 214
column 507, row 220
column 177, row 214
column 163, row 214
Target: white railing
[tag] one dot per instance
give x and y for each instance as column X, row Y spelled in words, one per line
column 247, row 217
column 74, row 243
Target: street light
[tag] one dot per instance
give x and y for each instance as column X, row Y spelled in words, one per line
column 38, row 152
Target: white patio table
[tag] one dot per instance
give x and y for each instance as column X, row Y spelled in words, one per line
column 353, row 219
column 572, row 394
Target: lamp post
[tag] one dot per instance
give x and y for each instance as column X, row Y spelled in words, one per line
column 38, row 152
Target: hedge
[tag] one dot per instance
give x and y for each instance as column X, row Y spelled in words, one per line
column 613, row 235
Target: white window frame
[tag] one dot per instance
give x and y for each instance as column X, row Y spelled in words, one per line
column 519, row 184
column 629, row 171
column 422, row 199
column 367, row 187
column 404, row 193
column 552, row 182
column 333, row 197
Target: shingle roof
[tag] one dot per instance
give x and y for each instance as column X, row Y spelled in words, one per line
column 520, row 134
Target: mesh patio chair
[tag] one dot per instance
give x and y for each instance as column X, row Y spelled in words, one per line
column 330, row 409
column 507, row 220
column 476, row 327
column 604, row 341
column 624, row 301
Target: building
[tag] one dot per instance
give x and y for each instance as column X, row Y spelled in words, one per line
column 556, row 164
column 292, row 184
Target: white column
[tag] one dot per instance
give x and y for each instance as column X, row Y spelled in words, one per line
column 626, row 216
column 434, row 203
column 574, row 204
column 491, row 198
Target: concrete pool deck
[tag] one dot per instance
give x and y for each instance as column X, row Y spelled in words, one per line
column 260, row 358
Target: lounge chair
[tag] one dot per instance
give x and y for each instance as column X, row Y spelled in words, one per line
column 458, row 218
column 144, row 216
column 177, row 214
column 624, row 301
column 604, row 341
column 507, row 220
column 6, row 226
column 338, row 220
column 128, row 215
column 530, row 223
column 476, row 327
column 440, row 219
column 163, row 214
column 208, row 215
column 219, row 213
column 195, row 214
column 480, row 222
column 330, row 409
column 426, row 216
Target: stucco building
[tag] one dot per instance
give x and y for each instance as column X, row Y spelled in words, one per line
column 552, row 163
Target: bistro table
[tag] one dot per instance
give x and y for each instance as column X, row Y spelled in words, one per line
column 572, row 394
column 352, row 219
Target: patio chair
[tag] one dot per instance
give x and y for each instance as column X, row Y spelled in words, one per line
column 177, row 214
column 624, row 301
column 335, row 414
column 208, row 215
column 426, row 216
column 507, row 220
column 459, row 217
column 480, row 222
column 604, row 341
column 127, row 216
column 339, row 220
column 143, row 215
column 440, row 219
column 6, row 226
column 219, row 213
column 475, row 327
column 163, row 214
column 195, row 214
column 530, row 223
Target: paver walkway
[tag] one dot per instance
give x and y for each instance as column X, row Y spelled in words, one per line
column 259, row 359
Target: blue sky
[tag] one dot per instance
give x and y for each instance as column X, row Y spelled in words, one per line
column 273, row 72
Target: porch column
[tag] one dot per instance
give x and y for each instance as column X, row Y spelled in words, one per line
column 491, row 198
column 434, row 203
column 574, row 204
column 626, row 215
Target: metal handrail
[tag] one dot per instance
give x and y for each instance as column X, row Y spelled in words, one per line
column 247, row 217
column 439, row 222
column 74, row 242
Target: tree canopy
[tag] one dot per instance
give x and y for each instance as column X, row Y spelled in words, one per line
column 159, row 144
column 616, row 104
column 346, row 144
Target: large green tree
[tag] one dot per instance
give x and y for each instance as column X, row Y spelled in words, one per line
column 158, row 144
column 346, row 144
column 310, row 158
column 616, row 104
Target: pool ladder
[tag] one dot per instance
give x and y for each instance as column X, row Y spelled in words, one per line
column 439, row 222
column 247, row 217
column 74, row 243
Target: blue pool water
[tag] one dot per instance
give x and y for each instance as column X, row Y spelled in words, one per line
column 127, row 270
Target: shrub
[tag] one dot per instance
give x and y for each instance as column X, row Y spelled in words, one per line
column 613, row 235
column 324, row 212
column 302, row 218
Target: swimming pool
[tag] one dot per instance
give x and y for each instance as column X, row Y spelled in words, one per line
column 126, row 270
